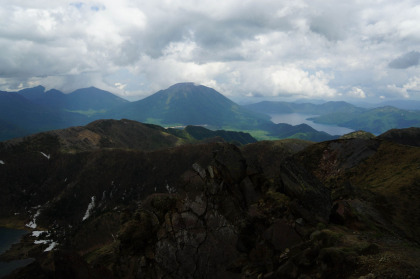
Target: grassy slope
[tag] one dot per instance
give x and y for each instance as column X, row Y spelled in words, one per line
column 394, row 174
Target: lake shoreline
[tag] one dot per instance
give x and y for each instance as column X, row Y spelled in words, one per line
column 299, row 118
column 9, row 237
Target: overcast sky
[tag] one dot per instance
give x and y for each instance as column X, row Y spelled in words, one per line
column 264, row 49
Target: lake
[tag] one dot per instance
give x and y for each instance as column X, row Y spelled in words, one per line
column 7, row 238
column 298, row 118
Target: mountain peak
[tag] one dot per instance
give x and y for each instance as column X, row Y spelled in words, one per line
column 33, row 93
column 190, row 104
column 37, row 89
column 184, row 85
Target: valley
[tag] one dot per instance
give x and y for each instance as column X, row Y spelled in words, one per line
column 297, row 118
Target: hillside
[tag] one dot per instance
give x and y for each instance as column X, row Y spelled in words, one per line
column 408, row 136
column 345, row 208
column 301, row 131
column 123, row 134
column 24, row 117
column 358, row 134
column 34, row 110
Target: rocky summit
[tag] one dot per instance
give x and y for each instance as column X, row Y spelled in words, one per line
column 120, row 199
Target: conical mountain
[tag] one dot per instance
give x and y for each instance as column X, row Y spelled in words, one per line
column 190, row 104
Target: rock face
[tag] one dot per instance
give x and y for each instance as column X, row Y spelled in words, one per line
column 288, row 209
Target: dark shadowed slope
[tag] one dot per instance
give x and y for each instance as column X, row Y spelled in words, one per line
column 123, row 134
column 408, row 136
column 29, row 117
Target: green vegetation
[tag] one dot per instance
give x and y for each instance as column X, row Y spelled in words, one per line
column 89, row 113
column 259, row 134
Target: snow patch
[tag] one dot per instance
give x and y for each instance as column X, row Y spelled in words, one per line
column 2, row 162
column 51, row 243
column 32, row 224
column 37, row 233
column 91, row 205
column 52, row 246
column 45, row 155
column 41, row 241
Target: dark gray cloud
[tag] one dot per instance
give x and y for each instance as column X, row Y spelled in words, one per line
column 405, row 61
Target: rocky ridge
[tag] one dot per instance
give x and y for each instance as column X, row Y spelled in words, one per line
column 278, row 209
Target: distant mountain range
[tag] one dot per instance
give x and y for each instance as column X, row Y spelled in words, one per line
column 86, row 101
column 401, row 104
column 34, row 110
column 375, row 120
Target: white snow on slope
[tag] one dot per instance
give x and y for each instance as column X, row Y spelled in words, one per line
column 91, row 205
column 52, row 246
column 51, row 243
column 37, row 233
column 45, row 155
column 41, row 241
column 32, row 224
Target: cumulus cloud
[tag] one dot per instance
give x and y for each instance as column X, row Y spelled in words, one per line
column 357, row 93
column 412, row 86
column 267, row 48
column 297, row 81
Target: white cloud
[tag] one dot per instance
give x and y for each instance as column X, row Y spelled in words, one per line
column 120, row 85
column 411, row 86
column 296, row 81
column 266, row 48
column 356, row 92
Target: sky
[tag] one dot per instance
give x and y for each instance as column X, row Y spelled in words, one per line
column 247, row 50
